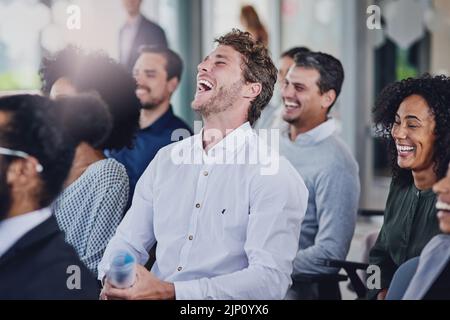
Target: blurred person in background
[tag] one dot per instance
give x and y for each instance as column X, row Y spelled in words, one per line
column 252, row 24
column 136, row 32
column 157, row 73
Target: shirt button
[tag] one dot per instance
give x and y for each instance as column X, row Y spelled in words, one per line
column 191, row 237
column 180, row 268
column 197, row 205
column 205, row 173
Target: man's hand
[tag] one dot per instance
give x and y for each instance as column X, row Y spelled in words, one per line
column 146, row 287
column 382, row 294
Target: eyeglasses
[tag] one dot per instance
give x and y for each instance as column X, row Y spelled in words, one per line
column 20, row 154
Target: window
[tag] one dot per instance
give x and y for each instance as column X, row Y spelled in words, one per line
column 29, row 29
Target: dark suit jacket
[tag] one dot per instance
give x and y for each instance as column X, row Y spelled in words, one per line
column 36, row 267
column 148, row 33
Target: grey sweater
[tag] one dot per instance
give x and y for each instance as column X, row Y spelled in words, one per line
column 330, row 173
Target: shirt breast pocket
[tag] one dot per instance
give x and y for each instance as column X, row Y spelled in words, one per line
column 233, row 222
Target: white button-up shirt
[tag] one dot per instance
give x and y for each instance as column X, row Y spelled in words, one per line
column 224, row 231
column 12, row 229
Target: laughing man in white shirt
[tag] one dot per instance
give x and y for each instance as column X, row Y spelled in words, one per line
column 224, row 209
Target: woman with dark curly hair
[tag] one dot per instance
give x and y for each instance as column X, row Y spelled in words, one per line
column 72, row 70
column 97, row 189
column 413, row 115
column 95, row 194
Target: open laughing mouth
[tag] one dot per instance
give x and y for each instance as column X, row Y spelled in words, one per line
column 141, row 90
column 290, row 105
column 443, row 207
column 204, row 85
column 405, row 151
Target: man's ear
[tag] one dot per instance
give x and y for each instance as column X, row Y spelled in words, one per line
column 22, row 171
column 328, row 98
column 252, row 90
column 172, row 84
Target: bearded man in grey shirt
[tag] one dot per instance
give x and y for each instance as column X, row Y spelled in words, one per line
column 330, row 171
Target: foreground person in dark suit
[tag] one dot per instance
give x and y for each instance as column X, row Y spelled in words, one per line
column 35, row 262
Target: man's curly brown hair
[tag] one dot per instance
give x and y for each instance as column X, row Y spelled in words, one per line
column 436, row 92
column 257, row 67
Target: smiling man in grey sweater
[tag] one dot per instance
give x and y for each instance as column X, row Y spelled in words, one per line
column 329, row 170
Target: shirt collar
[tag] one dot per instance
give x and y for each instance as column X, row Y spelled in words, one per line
column 315, row 135
column 134, row 23
column 228, row 146
column 12, row 229
column 161, row 123
column 422, row 193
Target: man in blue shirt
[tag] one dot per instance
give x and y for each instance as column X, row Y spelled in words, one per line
column 157, row 72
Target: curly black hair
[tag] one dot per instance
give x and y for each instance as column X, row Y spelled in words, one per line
column 85, row 118
column 97, row 72
column 436, row 92
column 32, row 128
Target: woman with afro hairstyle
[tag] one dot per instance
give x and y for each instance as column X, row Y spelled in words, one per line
column 72, row 71
column 413, row 116
column 95, row 194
